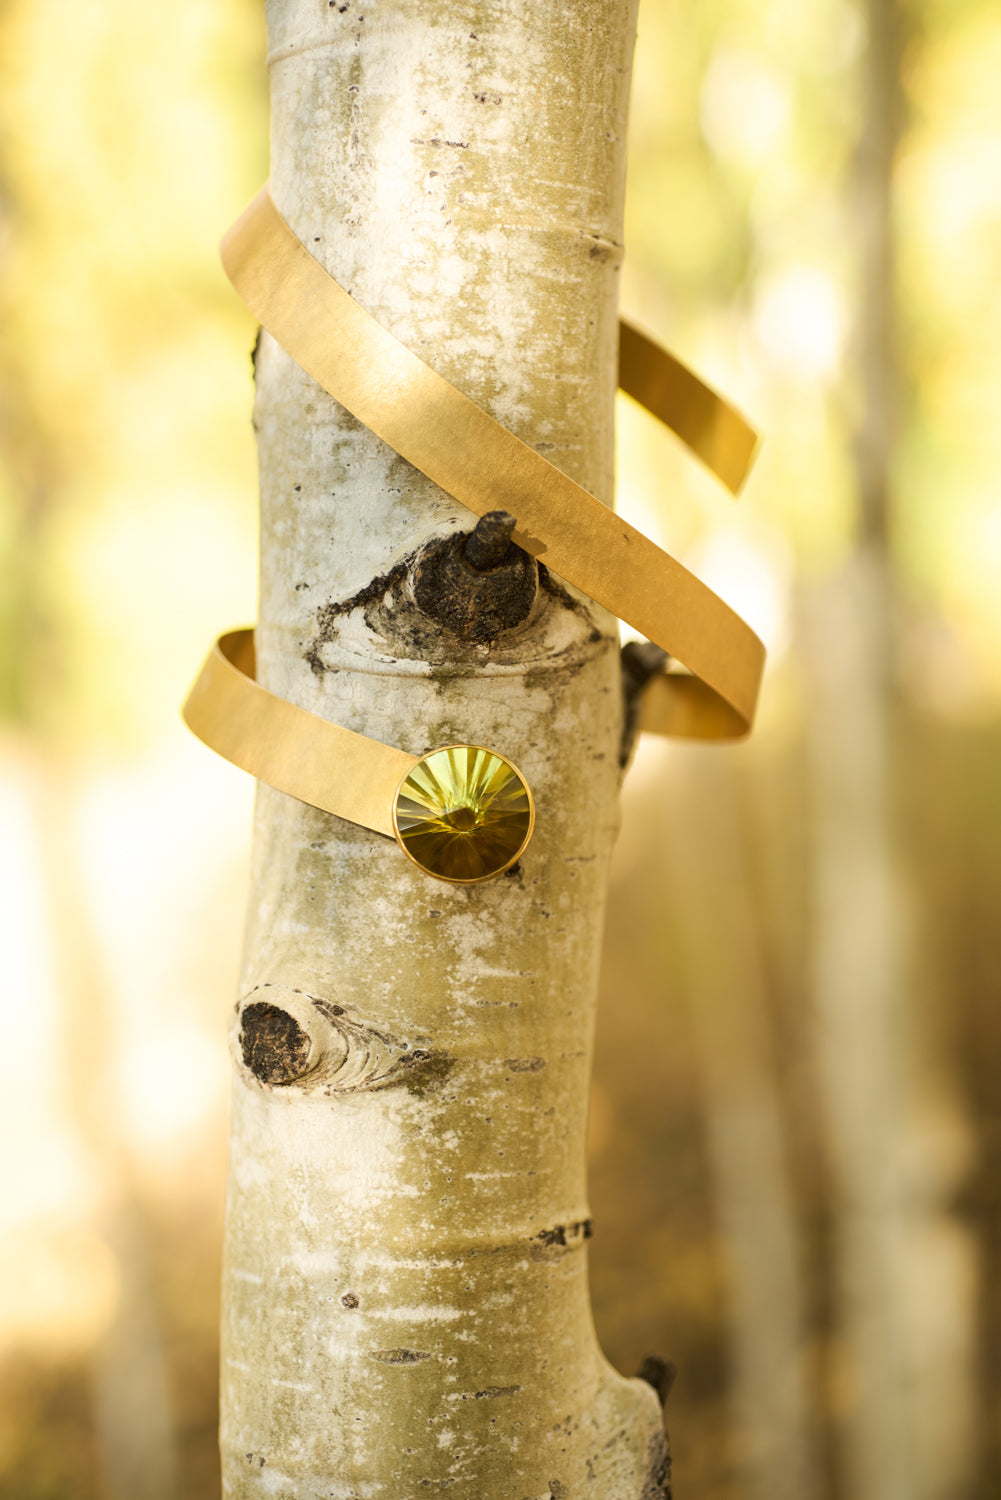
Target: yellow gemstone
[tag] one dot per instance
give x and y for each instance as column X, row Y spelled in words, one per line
column 464, row 814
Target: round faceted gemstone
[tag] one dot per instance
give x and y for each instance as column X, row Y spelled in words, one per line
column 463, row 813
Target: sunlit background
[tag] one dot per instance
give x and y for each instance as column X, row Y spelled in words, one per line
column 796, row 1122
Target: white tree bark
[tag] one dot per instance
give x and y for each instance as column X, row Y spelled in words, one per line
column 406, row 1303
column 902, row 1366
column 708, row 892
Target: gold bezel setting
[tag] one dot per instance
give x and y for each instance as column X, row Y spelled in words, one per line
column 452, row 780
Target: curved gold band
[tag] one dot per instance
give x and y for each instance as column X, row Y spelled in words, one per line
column 412, row 799
column 477, row 461
column 288, row 747
column 708, row 426
column 328, row 766
column 333, row 768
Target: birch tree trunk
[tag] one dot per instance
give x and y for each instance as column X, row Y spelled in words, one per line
column 708, row 892
column 862, row 979
column 406, row 1302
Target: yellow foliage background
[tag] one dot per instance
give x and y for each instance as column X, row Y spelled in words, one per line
column 731, row 1167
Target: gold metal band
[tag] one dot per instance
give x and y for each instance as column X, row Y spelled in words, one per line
column 461, row 813
column 707, row 425
column 334, row 768
column 476, row 460
column 485, row 467
column 288, row 747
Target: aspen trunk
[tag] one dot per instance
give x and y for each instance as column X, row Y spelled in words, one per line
column 859, row 969
column 707, row 891
column 902, row 1397
column 406, row 1303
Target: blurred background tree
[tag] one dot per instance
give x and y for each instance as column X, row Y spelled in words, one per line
column 796, row 1118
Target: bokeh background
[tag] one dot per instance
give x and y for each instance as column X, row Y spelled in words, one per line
column 796, row 1119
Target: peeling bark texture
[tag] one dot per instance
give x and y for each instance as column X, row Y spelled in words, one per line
column 406, row 1309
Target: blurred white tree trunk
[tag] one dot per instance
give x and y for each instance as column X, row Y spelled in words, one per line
column 859, row 969
column 718, row 948
column 902, row 1368
column 406, row 1303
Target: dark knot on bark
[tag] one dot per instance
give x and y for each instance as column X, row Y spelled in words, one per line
column 641, row 660
column 479, row 583
column 660, row 1373
column 275, row 1047
column 489, row 543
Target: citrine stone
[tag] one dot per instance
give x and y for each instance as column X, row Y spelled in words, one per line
column 463, row 814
